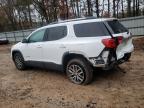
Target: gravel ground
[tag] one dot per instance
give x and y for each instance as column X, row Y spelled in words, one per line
column 120, row 88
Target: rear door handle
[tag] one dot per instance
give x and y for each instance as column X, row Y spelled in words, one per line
column 62, row 46
column 39, row 46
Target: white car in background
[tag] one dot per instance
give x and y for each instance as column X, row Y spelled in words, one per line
column 76, row 47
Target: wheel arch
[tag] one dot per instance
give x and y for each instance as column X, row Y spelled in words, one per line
column 71, row 55
column 16, row 51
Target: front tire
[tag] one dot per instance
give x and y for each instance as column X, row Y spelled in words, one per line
column 79, row 71
column 19, row 61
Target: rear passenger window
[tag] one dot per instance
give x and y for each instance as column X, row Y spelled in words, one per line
column 55, row 33
column 93, row 29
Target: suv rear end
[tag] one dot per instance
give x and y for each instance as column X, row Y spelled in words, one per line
column 108, row 42
column 96, row 43
column 122, row 39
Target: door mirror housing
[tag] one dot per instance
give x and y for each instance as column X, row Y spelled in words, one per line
column 25, row 40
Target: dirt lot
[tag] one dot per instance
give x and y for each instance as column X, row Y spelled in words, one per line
column 120, row 88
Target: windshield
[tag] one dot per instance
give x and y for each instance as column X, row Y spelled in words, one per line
column 116, row 26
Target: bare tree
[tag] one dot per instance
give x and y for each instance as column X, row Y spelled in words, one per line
column 24, row 13
column 67, row 9
column 29, row 2
column 114, row 7
column 89, row 7
column 77, row 7
column 134, row 7
column 72, row 5
column 97, row 7
column 109, row 8
column 8, row 8
column 137, row 7
column 40, row 7
column 122, row 10
column 117, row 8
column 48, row 9
column 129, row 7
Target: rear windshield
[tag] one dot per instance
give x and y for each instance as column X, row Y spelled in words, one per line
column 116, row 26
column 92, row 29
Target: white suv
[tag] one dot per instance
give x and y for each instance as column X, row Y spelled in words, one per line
column 76, row 47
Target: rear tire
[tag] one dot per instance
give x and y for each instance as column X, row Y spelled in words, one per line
column 19, row 61
column 79, row 71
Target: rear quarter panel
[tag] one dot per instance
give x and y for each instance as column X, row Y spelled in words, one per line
column 88, row 46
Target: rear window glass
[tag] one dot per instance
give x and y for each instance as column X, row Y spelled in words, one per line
column 117, row 27
column 93, row 29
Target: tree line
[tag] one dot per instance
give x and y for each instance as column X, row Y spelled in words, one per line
column 25, row 14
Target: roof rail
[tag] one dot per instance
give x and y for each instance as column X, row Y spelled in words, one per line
column 69, row 20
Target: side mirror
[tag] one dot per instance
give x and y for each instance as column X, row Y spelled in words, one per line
column 24, row 41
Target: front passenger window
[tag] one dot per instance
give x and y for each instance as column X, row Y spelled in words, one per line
column 37, row 36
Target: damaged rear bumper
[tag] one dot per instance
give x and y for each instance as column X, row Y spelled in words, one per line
column 107, row 60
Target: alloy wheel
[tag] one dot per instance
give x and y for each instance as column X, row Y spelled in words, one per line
column 76, row 74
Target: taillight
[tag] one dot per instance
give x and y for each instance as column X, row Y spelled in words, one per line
column 111, row 42
column 120, row 38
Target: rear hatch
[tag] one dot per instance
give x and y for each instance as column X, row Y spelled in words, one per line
column 118, row 30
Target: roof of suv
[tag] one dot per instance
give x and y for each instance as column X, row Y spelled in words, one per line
column 83, row 19
column 77, row 20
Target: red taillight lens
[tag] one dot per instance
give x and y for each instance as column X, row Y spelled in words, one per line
column 109, row 43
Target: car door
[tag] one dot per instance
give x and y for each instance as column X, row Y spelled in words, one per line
column 54, row 47
column 33, row 49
